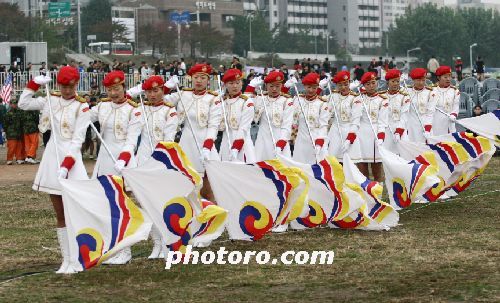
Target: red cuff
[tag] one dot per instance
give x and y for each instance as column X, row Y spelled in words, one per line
column 208, row 144
column 68, row 162
column 249, row 89
column 454, row 114
column 285, row 89
column 125, row 156
column 319, row 142
column 351, row 137
column 428, row 128
column 238, row 144
column 318, row 91
column 166, row 90
column 400, row 131
column 381, row 136
column 281, row 144
column 33, row 86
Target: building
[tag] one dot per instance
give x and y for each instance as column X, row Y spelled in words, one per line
column 357, row 23
column 486, row 4
column 391, row 10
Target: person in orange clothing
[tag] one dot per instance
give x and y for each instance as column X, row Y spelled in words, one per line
column 31, row 135
column 14, row 132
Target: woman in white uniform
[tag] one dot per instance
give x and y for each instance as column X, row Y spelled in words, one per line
column 239, row 116
column 281, row 109
column 309, row 150
column 447, row 100
column 375, row 108
column 399, row 106
column 205, row 113
column 346, row 106
column 70, row 116
column 423, row 106
column 121, row 123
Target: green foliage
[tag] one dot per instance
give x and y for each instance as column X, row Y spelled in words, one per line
column 446, row 33
column 13, row 23
column 96, row 20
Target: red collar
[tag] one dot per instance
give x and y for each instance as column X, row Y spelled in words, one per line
column 70, row 98
column 310, row 98
column 234, row 96
column 372, row 95
column 348, row 92
column 276, row 96
column 444, row 86
column 392, row 93
column 199, row 92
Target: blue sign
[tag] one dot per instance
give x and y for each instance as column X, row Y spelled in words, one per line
column 177, row 17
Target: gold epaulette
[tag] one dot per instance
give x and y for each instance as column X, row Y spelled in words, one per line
column 80, row 99
column 285, row 95
column 382, row 96
column 187, row 89
column 323, row 98
column 55, row 94
column 168, row 104
column 244, row 97
column 429, row 87
column 132, row 103
column 382, row 92
column 335, row 91
column 409, row 86
column 403, row 92
column 104, row 99
column 213, row 93
column 353, row 93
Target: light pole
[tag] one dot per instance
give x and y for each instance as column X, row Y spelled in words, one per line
column 408, row 55
column 79, row 27
column 250, row 19
column 470, row 53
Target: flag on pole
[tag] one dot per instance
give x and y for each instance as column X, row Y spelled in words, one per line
column 374, row 214
column 101, row 219
column 258, row 196
column 487, row 125
column 6, row 91
column 406, row 180
column 459, row 158
column 166, row 186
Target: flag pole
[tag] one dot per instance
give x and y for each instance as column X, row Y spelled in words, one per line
column 334, row 111
column 53, row 129
column 147, row 124
column 415, row 109
column 268, row 120
column 229, row 141
column 188, row 120
column 102, row 142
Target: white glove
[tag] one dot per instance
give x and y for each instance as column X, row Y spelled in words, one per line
column 427, row 135
column 317, row 150
column 256, row 82
column 172, row 83
column 278, row 150
column 397, row 138
column 452, row 118
column 291, row 73
column 135, row 91
column 42, row 80
column 120, row 165
column 234, row 154
column 291, row 82
column 380, row 141
column 62, row 173
column 346, row 146
column 323, row 83
column 205, row 154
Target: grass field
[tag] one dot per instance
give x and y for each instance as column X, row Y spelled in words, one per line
column 442, row 252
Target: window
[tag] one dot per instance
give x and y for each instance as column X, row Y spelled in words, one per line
column 275, row 13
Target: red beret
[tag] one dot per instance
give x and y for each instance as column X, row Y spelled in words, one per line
column 200, row 68
column 392, row 74
column 68, row 76
column 342, row 77
column 152, row 82
column 232, row 74
column 114, row 78
column 443, row 70
column 369, row 76
column 274, row 76
column 418, row 73
column 311, row 79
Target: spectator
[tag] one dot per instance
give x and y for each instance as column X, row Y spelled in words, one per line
column 182, row 67
column 480, row 68
column 392, row 63
column 236, row 63
column 3, row 112
column 14, row 133
column 458, row 68
column 358, row 72
column 296, row 65
column 54, row 67
column 326, row 65
column 28, row 67
column 477, row 111
column 284, row 70
column 221, row 70
column 31, row 134
column 373, row 66
column 380, row 62
column 432, row 65
column 43, row 69
column 2, row 68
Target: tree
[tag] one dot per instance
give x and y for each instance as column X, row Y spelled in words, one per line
column 96, row 20
column 12, row 23
column 262, row 37
column 206, row 39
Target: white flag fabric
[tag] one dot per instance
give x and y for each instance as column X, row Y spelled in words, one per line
column 257, row 196
column 459, row 158
column 406, row 181
column 374, row 214
column 487, row 125
column 101, row 219
column 166, row 186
